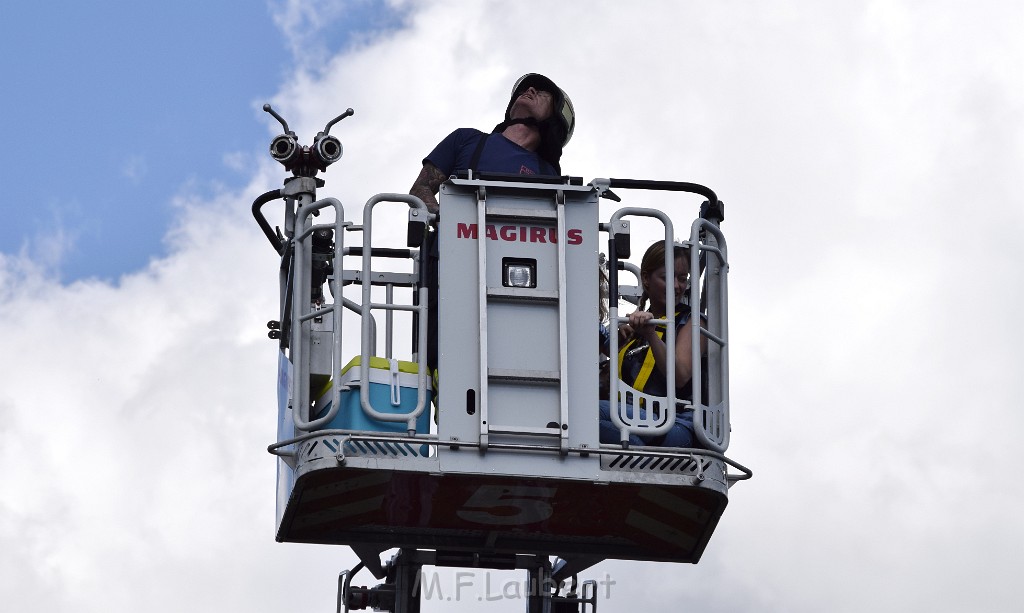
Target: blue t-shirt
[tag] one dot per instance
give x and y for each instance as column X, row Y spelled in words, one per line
column 455, row 152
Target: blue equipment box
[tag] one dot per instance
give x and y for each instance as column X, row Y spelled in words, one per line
column 393, row 390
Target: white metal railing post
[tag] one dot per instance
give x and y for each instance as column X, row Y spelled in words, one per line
column 618, row 399
column 419, row 311
column 302, row 314
column 711, row 416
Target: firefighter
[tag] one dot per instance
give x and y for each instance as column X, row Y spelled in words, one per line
column 539, row 121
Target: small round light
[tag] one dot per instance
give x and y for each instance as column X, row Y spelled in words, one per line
column 518, row 275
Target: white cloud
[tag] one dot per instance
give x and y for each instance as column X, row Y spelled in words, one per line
column 134, row 168
column 310, row 26
column 867, row 154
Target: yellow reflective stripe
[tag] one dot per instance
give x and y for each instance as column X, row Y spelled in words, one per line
column 648, row 366
column 622, row 357
column 645, row 371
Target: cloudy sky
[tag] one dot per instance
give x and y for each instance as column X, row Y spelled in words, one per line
column 866, row 153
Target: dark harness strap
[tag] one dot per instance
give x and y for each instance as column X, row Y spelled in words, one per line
column 475, row 160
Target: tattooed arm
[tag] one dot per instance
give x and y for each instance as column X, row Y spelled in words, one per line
column 427, row 184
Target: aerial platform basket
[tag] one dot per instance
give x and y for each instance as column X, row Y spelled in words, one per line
column 512, row 463
column 646, row 508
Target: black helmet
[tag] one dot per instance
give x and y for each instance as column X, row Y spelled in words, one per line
column 562, row 109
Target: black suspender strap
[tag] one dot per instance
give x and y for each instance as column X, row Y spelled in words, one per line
column 475, row 160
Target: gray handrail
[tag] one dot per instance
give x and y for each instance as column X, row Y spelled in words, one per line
column 647, row 425
column 300, row 393
column 483, row 392
column 279, row 450
column 712, row 415
column 420, row 312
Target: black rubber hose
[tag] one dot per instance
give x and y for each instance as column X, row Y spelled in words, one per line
column 713, row 213
column 262, row 221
